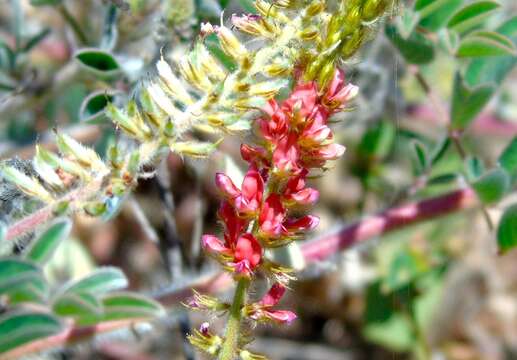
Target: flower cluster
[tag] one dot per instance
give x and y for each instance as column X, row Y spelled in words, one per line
column 293, row 139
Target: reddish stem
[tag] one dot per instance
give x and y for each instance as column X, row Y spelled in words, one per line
column 389, row 220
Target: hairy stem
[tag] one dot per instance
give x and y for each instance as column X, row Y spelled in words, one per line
column 233, row 327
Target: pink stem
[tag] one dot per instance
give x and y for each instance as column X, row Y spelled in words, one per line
column 389, row 220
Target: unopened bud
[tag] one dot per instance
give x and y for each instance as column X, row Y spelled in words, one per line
column 315, row 8
column 231, row 44
column 373, row 9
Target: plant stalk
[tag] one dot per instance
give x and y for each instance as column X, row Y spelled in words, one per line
column 73, row 24
column 233, row 327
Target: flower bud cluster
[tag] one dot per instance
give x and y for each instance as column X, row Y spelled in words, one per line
column 346, row 31
column 293, row 139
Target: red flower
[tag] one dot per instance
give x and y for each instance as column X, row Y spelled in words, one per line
column 233, row 224
column 329, row 152
column 272, row 216
column 274, row 127
column 262, row 311
column 287, row 154
column 273, row 296
column 302, row 100
column 248, row 253
column 295, row 190
column 254, row 154
column 305, row 223
column 316, row 130
column 244, row 256
column 338, row 93
column 247, row 200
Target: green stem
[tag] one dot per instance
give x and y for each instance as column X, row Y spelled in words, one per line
column 233, row 327
column 73, row 24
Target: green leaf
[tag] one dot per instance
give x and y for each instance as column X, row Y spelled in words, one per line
column 420, row 156
column 84, row 308
column 485, row 43
column 214, row 47
column 467, row 103
column 416, row 49
column 102, row 280
column 492, row 186
column 436, row 13
column 406, row 22
column 508, row 159
column 35, row 40
column 378, row 140
column 404, row 269
column 493, row 69
column 472, row 15
column 247, row 5
column 92, row 110
column 208, row 9
column 475, row 167
column 124, row 305
column 18, row 328
column 439, row 149
column 44, row 246
column 99, row 62
column 21, row 280
column 382, row 324
column 44, row 2
column 507, row 229
column 442, row 179
column 427, row 7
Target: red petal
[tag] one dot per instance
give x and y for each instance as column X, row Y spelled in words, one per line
column 337, row 82
column 287, row 154
column 226, row 185
column 234, row 225
column 274, row 295
column 248, row 248
column 281, row 316
column 306, row 196
column 305, row 223
column 296, row 183
column 330, row 152
column 272, row 216
column 212, row 244
column 252, row 189
column 304, row 96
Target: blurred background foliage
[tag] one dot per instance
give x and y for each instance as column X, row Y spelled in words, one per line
column 437, row 108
